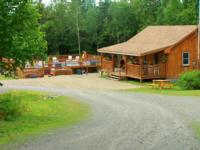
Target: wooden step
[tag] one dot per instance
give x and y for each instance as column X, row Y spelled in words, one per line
column 114, row 77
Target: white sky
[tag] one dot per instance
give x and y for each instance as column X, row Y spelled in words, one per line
column 48, row 1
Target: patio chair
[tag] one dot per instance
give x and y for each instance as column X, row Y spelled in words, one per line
column 69, row 57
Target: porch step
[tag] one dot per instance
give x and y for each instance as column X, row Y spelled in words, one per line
column 113, row 77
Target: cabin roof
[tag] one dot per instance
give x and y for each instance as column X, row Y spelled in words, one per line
column 151, row 39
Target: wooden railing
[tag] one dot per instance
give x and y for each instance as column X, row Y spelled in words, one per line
column 63, row 58
column 146, row 71
column 107, row 65
column 133, row 70
column 198, row 64
column 153, row 71
column 94, row 57
column 30, row 72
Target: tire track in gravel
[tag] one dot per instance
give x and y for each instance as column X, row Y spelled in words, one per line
column 122, row 121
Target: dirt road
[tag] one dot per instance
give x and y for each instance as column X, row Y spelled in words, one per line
column 122, row 121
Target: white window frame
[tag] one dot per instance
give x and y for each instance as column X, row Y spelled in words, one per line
column 188, row 59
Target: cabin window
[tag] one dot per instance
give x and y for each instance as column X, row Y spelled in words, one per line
column 186, row 58
column 145, row 60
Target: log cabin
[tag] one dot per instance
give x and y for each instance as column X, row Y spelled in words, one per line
column 157, row 52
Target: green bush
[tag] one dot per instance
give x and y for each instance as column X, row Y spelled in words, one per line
column 189, row 80
column 10, row 106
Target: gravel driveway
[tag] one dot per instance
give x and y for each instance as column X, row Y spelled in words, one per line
column 82, row 82
column 123, row 121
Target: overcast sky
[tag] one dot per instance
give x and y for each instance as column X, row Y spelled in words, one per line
column 48, row 1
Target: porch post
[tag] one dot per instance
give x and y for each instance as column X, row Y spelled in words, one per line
column 126, row 60
column 101, row 60
column 101, row 64
column 126, row 57
column 113, row 62
column 141, row 65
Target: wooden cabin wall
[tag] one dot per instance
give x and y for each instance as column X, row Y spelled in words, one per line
column 174, row 62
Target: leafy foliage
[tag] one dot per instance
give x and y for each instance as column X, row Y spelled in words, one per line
column 20, row 37
column 189, row 80
column 108, row 22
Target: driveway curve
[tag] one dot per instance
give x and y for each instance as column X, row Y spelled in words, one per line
column 119, row 121
column 123, row 121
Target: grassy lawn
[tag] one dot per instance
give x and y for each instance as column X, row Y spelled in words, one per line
column 41, row 112
column 196, row 128
column 176, row 91
column 2, row 77
column 173, row 91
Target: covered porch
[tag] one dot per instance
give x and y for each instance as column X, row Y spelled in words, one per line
column 150, row 66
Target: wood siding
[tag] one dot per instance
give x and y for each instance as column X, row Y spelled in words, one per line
column 107, row 65
column 174, row 63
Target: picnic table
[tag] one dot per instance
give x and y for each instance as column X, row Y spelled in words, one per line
column 162, row 84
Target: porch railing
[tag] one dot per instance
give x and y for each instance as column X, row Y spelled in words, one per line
column 153, row 71
column 107, row 65
column 146, row 71
column 133, row 70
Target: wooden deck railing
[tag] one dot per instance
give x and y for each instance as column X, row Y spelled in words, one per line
column 146, row 71
column 107, row 65
column 94, row 57
column 30, row 72
column 133, row 70
column 63, row 58
column 153, row 71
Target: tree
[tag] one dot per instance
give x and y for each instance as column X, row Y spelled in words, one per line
column 178, row 12
column 146, row 11
column 90, row 28
column 120, row 23
column 20, row 37
column 109, row 22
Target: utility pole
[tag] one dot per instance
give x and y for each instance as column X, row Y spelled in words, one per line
column 199, row 32
column 78, row 30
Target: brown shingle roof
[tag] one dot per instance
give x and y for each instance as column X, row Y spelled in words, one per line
column 151, row 39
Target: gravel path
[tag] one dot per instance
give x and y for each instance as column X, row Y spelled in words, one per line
column 123, row 121
column 87, row 82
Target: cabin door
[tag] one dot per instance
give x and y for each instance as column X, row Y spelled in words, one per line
column 117, row 61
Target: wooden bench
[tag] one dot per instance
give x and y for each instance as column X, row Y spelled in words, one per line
column 153, row 85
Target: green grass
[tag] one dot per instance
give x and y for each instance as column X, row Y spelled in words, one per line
column 2, row 77
column 176, row 91
column 196, row 127
column 41, row 113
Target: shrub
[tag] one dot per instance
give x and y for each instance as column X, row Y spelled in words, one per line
column 189, row 80
column 10, row 106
